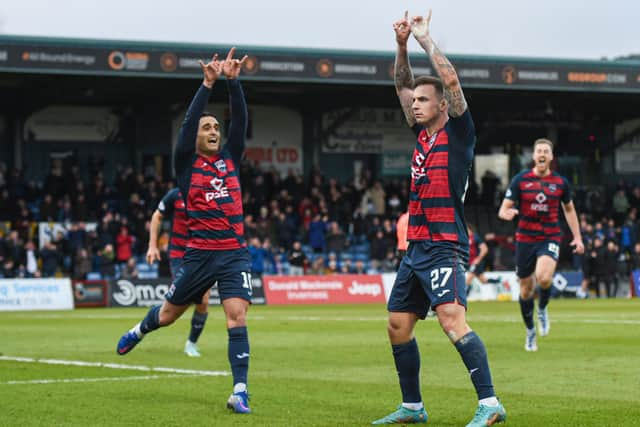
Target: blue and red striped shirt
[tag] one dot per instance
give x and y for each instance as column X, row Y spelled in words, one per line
column 211, row 185
column 172, row 207
column 439, row 179
column 538, row 201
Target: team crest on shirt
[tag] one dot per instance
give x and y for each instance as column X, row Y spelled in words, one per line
column 221, row 165
column 552, row 188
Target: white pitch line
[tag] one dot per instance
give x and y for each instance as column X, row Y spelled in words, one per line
column 95, row 380
column 114, row 366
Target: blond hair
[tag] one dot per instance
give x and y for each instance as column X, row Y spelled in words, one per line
column 543, row 141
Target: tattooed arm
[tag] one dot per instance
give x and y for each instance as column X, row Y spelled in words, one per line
column 403, row 76
column 442, row 66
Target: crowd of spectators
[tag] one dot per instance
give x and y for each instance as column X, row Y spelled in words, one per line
column 294, row 224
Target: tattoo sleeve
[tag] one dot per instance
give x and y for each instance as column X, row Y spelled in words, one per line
column 452, row 89
column 403, row 78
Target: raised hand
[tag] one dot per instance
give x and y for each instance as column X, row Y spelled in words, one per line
column 578, row 246
column 231, row 67
column 509, row 214
column 402, row 28
column 420, row 26
column 211, row 71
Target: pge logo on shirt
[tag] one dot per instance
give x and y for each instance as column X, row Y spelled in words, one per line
column 220, row 190
column 541, row 206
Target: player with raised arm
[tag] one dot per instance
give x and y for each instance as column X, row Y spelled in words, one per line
column 172, row 206
column 432, row 274
column 536, row 196
column 216, row 249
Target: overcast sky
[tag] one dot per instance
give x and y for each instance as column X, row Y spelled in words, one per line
column 542, row 28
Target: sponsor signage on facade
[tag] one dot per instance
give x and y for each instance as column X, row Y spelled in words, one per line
column 90, row 293
column 145, row 293
column 332, row 289
column 35, row 294
column 90, row 57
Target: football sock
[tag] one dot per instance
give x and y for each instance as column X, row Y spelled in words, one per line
column 544, row 298
column 407, row 359
column 197, row 325
column 238, row 353
column 526, row 308
column 474, row 356
column 151, row 322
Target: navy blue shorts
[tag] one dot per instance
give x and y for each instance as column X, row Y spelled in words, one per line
column 201, row 269
column 174, row 264
column 429, row 275
column 527, row 255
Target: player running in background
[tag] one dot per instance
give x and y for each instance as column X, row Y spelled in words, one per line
column 172, row 206
column 536, row 196
column 432, row 272
column 478, row 251
column 216, row 249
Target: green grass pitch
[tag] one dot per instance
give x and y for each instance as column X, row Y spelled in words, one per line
column 319, row 366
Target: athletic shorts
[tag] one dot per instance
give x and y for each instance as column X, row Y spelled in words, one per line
column 478, row 269
column 429, row 275
column 527, row 255
column 174, row 264
column 201, row 269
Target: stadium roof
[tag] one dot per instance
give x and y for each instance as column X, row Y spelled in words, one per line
column 21, row 54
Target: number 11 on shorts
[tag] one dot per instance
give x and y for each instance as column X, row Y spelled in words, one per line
column 246, row 281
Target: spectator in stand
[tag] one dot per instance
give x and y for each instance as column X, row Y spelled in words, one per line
column 597, row 267
column 390, row 262
column 82, row 264
column 373, row 200
column 317, row 266
column 50, row 259
column 48, row 209
column 634, row 259
column 332, row 266
column 124, row 245
column 620, row 206
column 8, row 269
column 346, row 267
column 130, row 270
column 628, row 235
column 297, row 259
column 317, row 229
column 5, row 205
column 14, row 249
column 104, row 262
column 359, row 267
column 634, row 198
column 359, row 228
column 335, row 239
column 610, row 277
column 259, row 256
column 285, row 230
column 31, row 261
column 380, row 244
column 79, row 208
